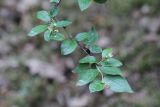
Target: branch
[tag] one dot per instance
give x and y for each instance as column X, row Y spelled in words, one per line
column 58, row 3
column 70, row 36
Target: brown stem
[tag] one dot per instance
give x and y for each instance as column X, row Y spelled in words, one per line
column 58, row 3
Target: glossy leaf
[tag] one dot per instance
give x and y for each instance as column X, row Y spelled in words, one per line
column 107, row 53
column 57, row 36
column 63, row 23
column 82, row 36
column 37, row 30
column 117, row 84
column 95, row 49
column 47, row 35
column 43, row 15
column 88, row 59
column 54, row 12
column 87, row 76
column 68, row 46
column 96, row 86
column 84, row 4
column 111, row 70
column 111, row 62
column 54, row 1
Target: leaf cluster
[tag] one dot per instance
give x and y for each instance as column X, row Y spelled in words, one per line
column 98, row 73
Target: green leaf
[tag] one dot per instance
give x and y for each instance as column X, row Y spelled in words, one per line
column 100, row 1
column 92, row 37
column 88, row 38
column 88, row 59
column 47, row 35
column 95, row 49
column 63, row 23
column 81, row 36
column 81, row 68
column 111, row 62
column 54, row 1
column 84, row 4
column 111, row 70
column 43, row 15
column 57, row 36
column 96, row 86
column 107, row 53
column 37, row 30
column 54, row 12
column 87, row 76
column 68, row 46
column 117, row 84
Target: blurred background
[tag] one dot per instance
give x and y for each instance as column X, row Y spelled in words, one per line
column 34, row 74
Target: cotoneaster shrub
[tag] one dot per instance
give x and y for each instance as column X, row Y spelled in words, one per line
column 97, row 73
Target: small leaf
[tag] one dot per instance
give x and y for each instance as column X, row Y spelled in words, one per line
column 81, row 68
column 63, row 23
column 111, row 62
column 47, row 35
column 95, row 49
column 111, row 70
column 54, row 1
column 96, row 86
column 81, row 36
column 84, row 4
column 107, row 53
column 117, row 84
column 68, row 46
column 37, row 30
column 88, row 38
column 54, row 12
column 57, row 36
column 88, row 59
column 87, row 76
column 43, row 15
column 92, row 37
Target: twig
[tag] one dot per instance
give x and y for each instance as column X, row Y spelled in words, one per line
column 57, row 4
column 102, row 77
column 69, row 35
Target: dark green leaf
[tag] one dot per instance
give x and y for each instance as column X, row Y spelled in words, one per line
column 111, row 70
column 92, row 37
column 88, row 59
column 68, row 46
column 111, row 62
column 107, row 53
column 100, row 1
column 37, row 30
column 84, row 4
column 96, row 86
column 82, row 36
column 95, row 49
column 87, row 76
column 43, row 15
column 54, row 12
column 63, row 23
column 117, row 84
